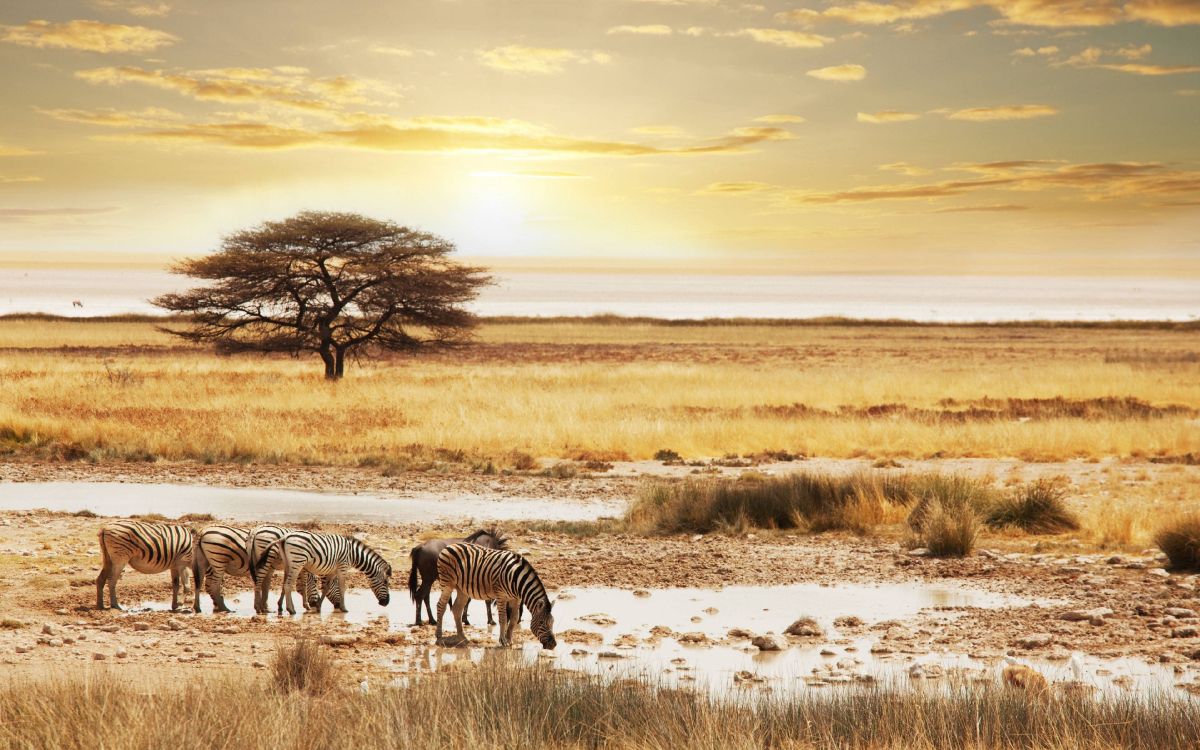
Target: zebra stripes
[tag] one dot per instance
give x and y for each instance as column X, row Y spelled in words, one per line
column 223, row 551
column 479, row 573
column 329, row 555
column 147, row 548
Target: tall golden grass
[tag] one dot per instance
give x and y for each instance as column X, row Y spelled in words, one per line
column 499, row 706
column 552, row 390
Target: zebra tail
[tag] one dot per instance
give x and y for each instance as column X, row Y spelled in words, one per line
column 250, row 555
column 412, row 574
column 262, row 559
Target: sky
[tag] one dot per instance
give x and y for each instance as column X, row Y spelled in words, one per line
column 991, row 136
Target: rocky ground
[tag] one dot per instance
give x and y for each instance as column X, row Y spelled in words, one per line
column 1085, row 600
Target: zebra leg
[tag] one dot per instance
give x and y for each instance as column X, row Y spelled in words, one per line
column 216, row 589
column 114, row 575
column 502, row 611
column 175, row 579
column 513, row 612
column 337, row 584
column 460, row 606
column 106, row 565
column 443, row 599
column 424, row 595
column 466, row 619
column 489, row 614
column 285, row 594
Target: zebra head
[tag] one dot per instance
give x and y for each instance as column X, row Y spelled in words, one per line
column 378, row 570
column 542, row 623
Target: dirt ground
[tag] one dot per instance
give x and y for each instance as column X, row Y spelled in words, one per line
column 48, row 564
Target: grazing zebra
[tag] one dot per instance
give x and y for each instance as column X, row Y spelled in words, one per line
column 147, row 548
column 328, row 555
column 221, row 551
column 424, row 561
column 480, row 573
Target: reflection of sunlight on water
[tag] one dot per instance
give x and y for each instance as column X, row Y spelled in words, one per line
column 722, row 665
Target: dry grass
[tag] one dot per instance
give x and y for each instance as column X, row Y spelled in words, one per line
column 1179, row 538
column 1036, row 508
column 305, row 666
column 503, row 707
column 123, row 391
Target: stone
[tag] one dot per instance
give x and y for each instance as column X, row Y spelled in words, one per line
column 48, row 629
column 1158, row 572
column 641, row 593
column 1077, row 615
column 692, row 638
column 109, row 628
column 1180, row 613
column 141, row 626
column 600, row 619
column 805, row 627
column 609, row 655
column 918, row 552
column 1035, row 640
column 99, row 656
column 121, row 653
column 1189, row 631
column 339, row 639
column 769, row 642
column 258, row 664
column 848, row 621
column 173, row 624
column 740, row 633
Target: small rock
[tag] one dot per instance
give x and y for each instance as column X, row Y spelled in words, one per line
column 173, row 624
column 805, row 627
column 141, row 626
column 121, row 653
column 739, row 633
column 228, row 630
column 99, row 656
column 1189, row 631
column 918, row 552
column 48, row 629
column 848, row 621
column 1077, row 615
column 692, row 638
column 1035, row 640
column 1180, row 613
column 55, row 642
column 339, row 639
column 109, row 628
column 258, row 664
column 1159, row 572
column 609, row 655
column 641, row 593
column 769, row 642
column 1115, row 560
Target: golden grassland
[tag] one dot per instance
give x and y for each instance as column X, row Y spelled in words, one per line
column 498, row 705
column 579, row 388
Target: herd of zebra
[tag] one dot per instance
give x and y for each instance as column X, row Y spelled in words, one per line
column 476, row 567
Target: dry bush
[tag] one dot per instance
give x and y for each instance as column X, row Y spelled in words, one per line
column 1113, row 524
column 948, row 529
column 1036, row 508
column 1179, row 539
column 304, row 665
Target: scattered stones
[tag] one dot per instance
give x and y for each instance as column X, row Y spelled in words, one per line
column 1035, row 640
column 598, row 618
column 769, row 642
column 805, row 627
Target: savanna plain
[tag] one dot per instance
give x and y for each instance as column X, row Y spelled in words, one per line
column 1052, row 471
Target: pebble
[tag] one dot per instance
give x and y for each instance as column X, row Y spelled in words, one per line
column 1159, row 572
column 770, row 642
column 1076, row 615
column 1035, row 640
column 99, row 656
column 109, row 628
column 141, row 626
column 173, row 624
column 805, row 627
column 1189, row 631
column 121, row 653
column 1180, row 613
column 48, row 629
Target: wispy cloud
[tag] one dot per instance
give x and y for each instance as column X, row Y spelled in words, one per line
column 780, row 119
column 993, row 208
column 135, row 8
column 848, row 72
column 654, row 29
column 903, row 167
column 282, row 85
column 1003, row 112
column 15, row 215
column 515, row 58
column 887, row 116
column 88, row 36
column 784, row 38
column 1035, row 13
column 113, row 118
column 16, row 151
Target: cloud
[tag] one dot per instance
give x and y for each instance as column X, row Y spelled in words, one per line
column 14, row 215
column 113, row 118
column 1188, row 92
column 1003, row 112
column 134, row 8
column 780, row 119
column 847, row 72
column 905, row 168
column 1035, row 13
column 1047, row 51
column 668, row 131
column 1143, row 69
column 1097, row 181
column 655, row 29
column 993, row 208
column 784, row 38
column 436, row 134
column 515, row 58
column 887, row 116
column 283, row 85
column 16, row 151
column 4, row 180
column 736, row 188
column 534, row 174
column 89, row 36
column 388, row 49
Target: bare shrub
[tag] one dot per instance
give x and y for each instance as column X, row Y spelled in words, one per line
column 1179, row 539
column 1036, row 508
column 304, row 666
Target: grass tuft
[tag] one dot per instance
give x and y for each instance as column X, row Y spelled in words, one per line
column 304, row 666
column 949, row 528
column 1035, row 508
column 1179, row 539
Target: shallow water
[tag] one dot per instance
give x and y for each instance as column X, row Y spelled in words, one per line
column 240, row 504
column 715, row 666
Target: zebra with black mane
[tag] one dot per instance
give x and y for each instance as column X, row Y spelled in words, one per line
column 327, row 555
column 225, row 551
column 475, row 572
column 146, row 547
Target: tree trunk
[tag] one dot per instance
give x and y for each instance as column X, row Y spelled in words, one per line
column 339, row 363
column 332, row 371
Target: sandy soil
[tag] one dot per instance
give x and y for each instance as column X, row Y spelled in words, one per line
column 48, row 564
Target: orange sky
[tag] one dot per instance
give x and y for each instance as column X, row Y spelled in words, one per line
column 990, row 136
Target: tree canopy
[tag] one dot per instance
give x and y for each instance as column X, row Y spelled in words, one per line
column 337, row 284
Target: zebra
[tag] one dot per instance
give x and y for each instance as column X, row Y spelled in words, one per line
column 147, row 548
column 480, row 573
column 222, row 550
column 328, row 555
column 424, row 561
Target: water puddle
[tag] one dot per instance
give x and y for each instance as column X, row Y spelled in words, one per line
column 284, row 506
column 681, row 637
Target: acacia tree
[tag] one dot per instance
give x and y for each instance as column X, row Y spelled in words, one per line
column 332, row 283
